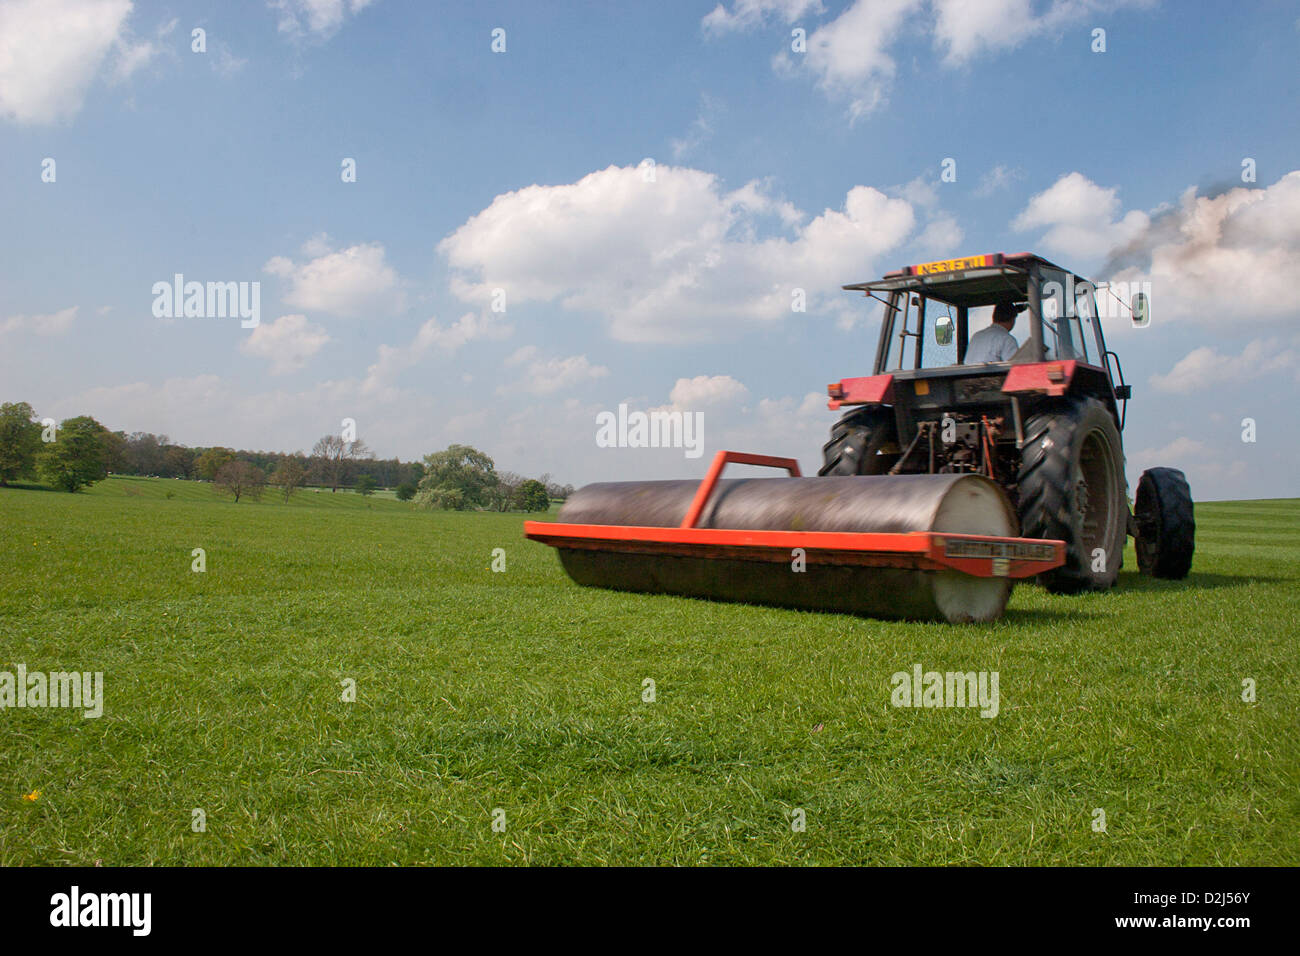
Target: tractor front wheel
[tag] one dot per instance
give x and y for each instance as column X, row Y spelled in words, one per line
column 1071, row 487
column 1166, row 527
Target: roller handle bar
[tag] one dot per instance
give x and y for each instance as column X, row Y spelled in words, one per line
column 720, row 461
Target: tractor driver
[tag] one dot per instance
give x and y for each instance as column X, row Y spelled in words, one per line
column 995, row 343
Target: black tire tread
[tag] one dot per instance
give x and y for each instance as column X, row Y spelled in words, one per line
column 854, row 440
column 1047, row 495
column 1174, row 523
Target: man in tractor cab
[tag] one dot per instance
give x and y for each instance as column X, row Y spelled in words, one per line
column 995, row 343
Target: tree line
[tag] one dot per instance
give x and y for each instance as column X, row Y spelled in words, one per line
column 80, row 451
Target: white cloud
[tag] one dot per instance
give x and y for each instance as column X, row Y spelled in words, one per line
column 1215, row 258
column 689, row 394
column 288, row 342
column 51, row 51
column 355, row 281
column 545, row 376
column 53, row 323
column 997, row 179
column 1177, row 452
column 131, row 57
column 1210, row 470
column 965, row 29
column 1203, row 368
column 1080, row 218
column 941, row 236
column 751, row 13
column 1207, row 259
column 318, row 19
column 673, row 260
column 223, row 59
column 391, row 361
column 850, row 55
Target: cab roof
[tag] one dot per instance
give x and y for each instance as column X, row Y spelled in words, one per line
column 967, row 281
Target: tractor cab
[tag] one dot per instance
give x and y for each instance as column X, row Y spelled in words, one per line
column 931, row 310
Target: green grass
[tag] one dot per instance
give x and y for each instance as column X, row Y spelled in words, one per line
column 521, row 691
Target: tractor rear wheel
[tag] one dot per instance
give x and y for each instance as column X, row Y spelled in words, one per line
column 857, row 440
column 1166, row 527
column 1071, row 487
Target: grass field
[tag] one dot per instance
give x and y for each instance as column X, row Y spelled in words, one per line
column 518, row 691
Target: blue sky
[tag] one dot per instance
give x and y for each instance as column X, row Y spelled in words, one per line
column 524, row 171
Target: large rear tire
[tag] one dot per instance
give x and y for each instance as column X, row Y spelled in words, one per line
column 857, row 440
column 1071, row 487
column 1166, row 526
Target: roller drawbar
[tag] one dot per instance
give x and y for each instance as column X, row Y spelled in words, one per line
column 918, row 547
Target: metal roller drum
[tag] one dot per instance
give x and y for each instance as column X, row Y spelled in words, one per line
column 952, row 504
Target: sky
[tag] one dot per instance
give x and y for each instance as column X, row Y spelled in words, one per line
column 489, row 223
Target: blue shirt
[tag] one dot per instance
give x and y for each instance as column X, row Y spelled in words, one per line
column 994, row 344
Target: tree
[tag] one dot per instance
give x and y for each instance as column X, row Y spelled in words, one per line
column 532, row 496
column 503, row 496
column 20, row 440
column 75, row 458
column 330, row 456
column 366, row 485
column 114, row 451
column 239, row 478
column 458, row 478
column 289, row 476
column 178, row 461
column 212, row 461
column 406, row 491
column 145, row 453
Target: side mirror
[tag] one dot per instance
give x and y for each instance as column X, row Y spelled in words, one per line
column 1141, row 311
column 943, row 330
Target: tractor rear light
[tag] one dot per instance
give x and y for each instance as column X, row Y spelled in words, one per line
column 1055, row 373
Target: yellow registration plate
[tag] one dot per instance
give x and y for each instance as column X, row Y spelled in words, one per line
column 951, row 265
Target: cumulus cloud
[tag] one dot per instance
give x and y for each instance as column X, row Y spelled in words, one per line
column 750, row 13
column 1206, row 258
column 1082, row 220
column 1204, row 366
column 430, row 337
column 1234, row 255
column 52, row 50
column 966, row 29
column 675, row 259
column 546, row 376
column 351, row 282
column 317, row 19
column 52, row 323
column 702, row 390
column 288, row 342
column 997, row 179
column 850, row 57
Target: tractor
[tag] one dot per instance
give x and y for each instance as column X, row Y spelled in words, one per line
column 1045, row 424
column 964, row 462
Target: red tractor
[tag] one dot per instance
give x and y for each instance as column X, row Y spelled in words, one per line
column 964, row 463
column 1043, row 422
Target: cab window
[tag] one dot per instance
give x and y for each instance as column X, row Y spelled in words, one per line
column 925, row 326
column 1065, row 305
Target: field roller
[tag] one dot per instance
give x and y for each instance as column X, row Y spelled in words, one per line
column 917, row 547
